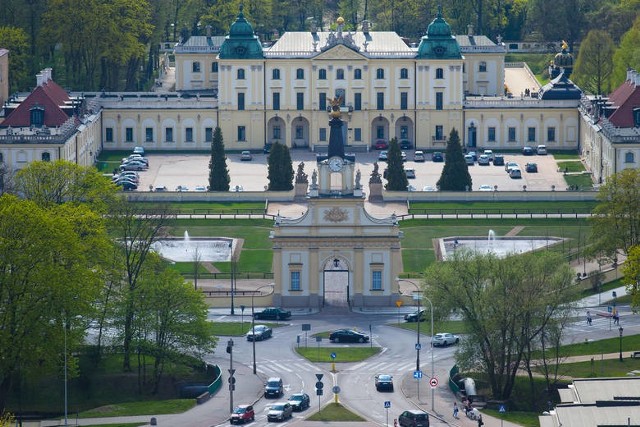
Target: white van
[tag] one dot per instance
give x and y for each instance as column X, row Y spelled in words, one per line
column 541, row 150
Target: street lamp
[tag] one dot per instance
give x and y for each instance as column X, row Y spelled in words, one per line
column 66, row 392
column 253, row 323
column 233, row 274
column 419, row 295
column 620, row 330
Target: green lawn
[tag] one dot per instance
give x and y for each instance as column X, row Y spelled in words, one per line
column 343, row 354
column 526, row 419
column 601, row 368
column 571, row 166
column 335, row 412
column 155, row 407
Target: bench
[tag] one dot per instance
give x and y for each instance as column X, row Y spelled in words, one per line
column 635, row 355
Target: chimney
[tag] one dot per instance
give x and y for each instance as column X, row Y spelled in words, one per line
column 469, row 30
column 40, row 79
column 48, row 74
column 636, row 78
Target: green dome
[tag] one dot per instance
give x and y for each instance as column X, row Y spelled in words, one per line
column 241, row 28
column 439, row 27
column 241, row 43
column 439, row 43
column 563, row 59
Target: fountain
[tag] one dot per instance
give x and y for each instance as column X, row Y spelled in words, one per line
column 498, row 246
column 189, row 249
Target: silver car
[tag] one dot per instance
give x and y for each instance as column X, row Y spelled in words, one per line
column 444, row 339
column 280, row 411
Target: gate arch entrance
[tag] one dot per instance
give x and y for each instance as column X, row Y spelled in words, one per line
column 335, row 283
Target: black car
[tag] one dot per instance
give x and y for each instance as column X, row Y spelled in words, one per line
column 531, row 167
column 437, row 157
column 498, row 160
column 413, row 418
column 348, row 335
column 418, row 315
column 384, row 382
column 273, row 387
column 273, row 313
column 267, row 148
column 528, row 151
column 299, row 401
column 405, row 144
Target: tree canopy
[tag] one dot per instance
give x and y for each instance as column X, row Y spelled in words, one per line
column 219, row 178
column 455, row 173
column 594, row 65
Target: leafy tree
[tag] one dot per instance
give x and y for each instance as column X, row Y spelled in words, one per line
column 16, row 40
column 631, row 279
column 396, row 176
column 628, row 54
column 615, row 17
column 455, row 173
column 506, row 305
column 616, row 218
column 48, row 278
column 218, row 172
column 555, row 20
column 594, row 65
column 280, row 168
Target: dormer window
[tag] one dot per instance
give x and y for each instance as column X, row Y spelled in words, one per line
column 636, row 117
column 37, row 116
column 46, row 157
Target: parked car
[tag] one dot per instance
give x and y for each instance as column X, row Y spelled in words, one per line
column 531, row 167
column 259, row 333
column 488, row 153
column 127, row 186
column 133, row 166
column 498, row 160
column 484, row 160
column 411, row 173
column 272, row 313
column 405, row 144
column 381, row 144
column 413, row 418
column 418, row 156
column 382, row 156
column 528, row 151
column 200, row 188
column 242, row 414
column 384, row 382
column 126, row 180
column 273, row 387
column 541, row 150
column 348, row 335
column 429, row 188
column 515, row 173
column 246, row 156
column 299, row 401
column 474, row 155
column 485, row 187
column 437, row 157
column 160, row 188
column 182, row 188
column 510, row 165
column 403, row 155
column 267, row 148
column 415, row 316
column 469, row 160
column 280, row 411
column 137, row 157
column 444, row 339
column 138, row 150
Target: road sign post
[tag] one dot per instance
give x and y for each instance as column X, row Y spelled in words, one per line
column 319, row 387
column 417, row 375
column 387, row 405
column 333, row 361
column 336, row 392
column 433, row 382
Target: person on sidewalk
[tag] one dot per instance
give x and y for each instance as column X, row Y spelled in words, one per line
column 589, row 320
column 455, row 410
column 480, row 422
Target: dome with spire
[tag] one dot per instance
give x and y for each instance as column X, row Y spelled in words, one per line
column 241, row 43
column 438, row 43
column 563, row 59
column 439, row 27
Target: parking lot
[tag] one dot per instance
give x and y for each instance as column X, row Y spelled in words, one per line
column 191, row 170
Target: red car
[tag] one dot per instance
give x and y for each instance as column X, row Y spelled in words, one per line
column 381, row 144
column 242, row 414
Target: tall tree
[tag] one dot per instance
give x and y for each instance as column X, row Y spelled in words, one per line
column 616, row 218
column 455, row 173
column 280, row 168
column 218, row 172
column 631, row 271
column 506, row 304
column 555, row 20
column 396, row 176
column 628, row 54
column 16, row 41
column 593, row 68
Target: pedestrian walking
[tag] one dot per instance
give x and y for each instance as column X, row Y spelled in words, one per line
column 455, row 410
column 589, row 320
column 480, row 422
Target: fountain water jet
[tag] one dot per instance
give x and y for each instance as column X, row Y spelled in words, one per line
column 187, row 249
column 498, row 246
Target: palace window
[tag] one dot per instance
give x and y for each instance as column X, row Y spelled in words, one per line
column 511, row 134
column 439, row 100
column 275, row 74
column 208, row 134
column 323, row 134
column 300, row 74
column 276, row 100
column 380, row 73
column 299, row 132
column 276, row 132
column 482, row 67
column 339, row 74
column 404, row 73
column 357, row 101
column 439, row 133
column 295, row 280
column 404, row 100
column 357, row 74
column 551, row 134
column 241, row 101
column 439, row 73
column 240, row 74
column 299, row 101
column 108, row 134
column 128, row 134
column 491, row 137
column 195, row 67
column 531, row 134
column 168, row 134
column 322, row 74
column 629, row 157
column 380, row 100
column 148, row 134
column 323, row 101
column 214, row 67
column 242, row 133
column 188, row 134
column 46, row 157
column 376, row 280
column 357, row 134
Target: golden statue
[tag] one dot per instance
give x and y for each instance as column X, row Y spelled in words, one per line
column 565, row 45
column 335, row 107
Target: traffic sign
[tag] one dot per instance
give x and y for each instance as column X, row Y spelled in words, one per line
column 336, row 389
column 502, row 409
column 319, row 385
column 417, row 374
column 433, row 382
column 319, row 376
column 306, row 326
column 418, row 346
column 387, row 404
column 232, row 380
column 609, row 309
column 319, row 392
column 399, row 303
column 333, row 355
column 232, row 371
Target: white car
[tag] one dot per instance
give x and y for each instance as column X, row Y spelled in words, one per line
column 444, row 339
column 200, row 188
column 429, row 188
column 485, row 187
column 182, row 188
column 484, row 160
column 541, row 150
column 418, row 156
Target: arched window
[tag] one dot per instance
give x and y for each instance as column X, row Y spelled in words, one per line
column 629, row 157
column 322, row 74
column 300, row 74
column 439, row 73
column 340, row 74
column 357, row 74
column 380, row 73
column 240, row 74
column 195, row 67
column 404, row 73
column 482, row 67
column 275, row 74
column 46, row 157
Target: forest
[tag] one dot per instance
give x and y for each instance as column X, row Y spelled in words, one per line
column 114, row 44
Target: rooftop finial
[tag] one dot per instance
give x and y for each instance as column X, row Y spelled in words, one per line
column 439, row 10
column 241, row 9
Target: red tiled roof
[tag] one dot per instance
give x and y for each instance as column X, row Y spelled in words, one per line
column 625, row 98
column 50, row 96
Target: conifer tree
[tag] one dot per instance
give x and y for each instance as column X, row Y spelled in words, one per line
column 455, row 173
column 396, row 176
column 280, row 167
column 218, row 172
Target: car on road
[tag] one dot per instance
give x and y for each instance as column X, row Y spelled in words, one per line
column 531, row 167
column 246, row 156
column 242, row 414
column 272, row 313
column 273, row 387
column 541, row 150
column 348, row 335
column 280, row 411
column 415, row 316
column 410, row 173
column 418, row 156
column 444, row 339
column 485, row 187
column 259, row 333
column 498, row 160
column 484, row 160
column 384, row 382
column 413, row 418
column 381, row 144
column 382, row 156
column 299, row 401
column 429, row 188
column 528, row 151
column 437, row 157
